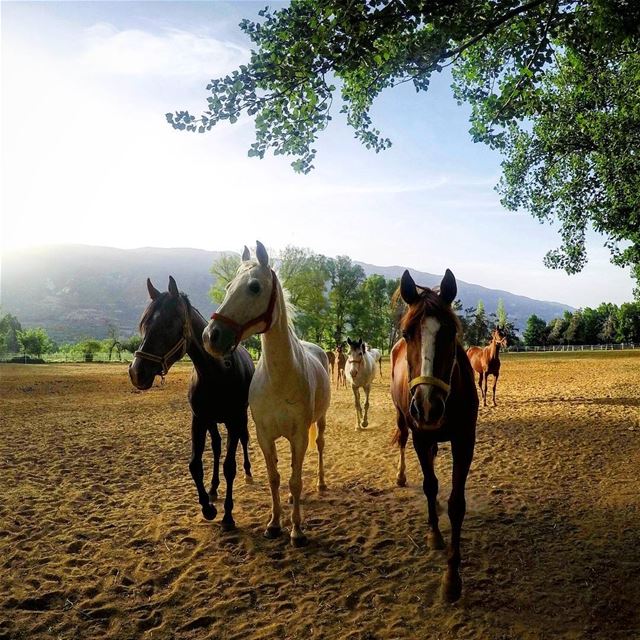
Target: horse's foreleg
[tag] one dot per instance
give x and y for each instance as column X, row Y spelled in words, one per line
column 356, row 400
column 268, row 447
column 244, row 441
column 484, row 390
column 321, row 424
column 452, row 582
column 365, row 420
column 495, row 383
column 401, row 437
column 426, row 453
column 216, row 448
column 198, row 437
column 298, row 449
column 229, row 475
column 380, row 365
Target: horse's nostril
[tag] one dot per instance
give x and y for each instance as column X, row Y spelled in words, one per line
column 215, row 334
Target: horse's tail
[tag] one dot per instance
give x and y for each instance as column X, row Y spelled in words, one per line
column 313, row 432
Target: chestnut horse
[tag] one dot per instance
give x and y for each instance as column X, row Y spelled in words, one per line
column 218, row 392
column 433, row 390
column 331, row 356
column 486, row 361
column 341, row 360
column 290, row 390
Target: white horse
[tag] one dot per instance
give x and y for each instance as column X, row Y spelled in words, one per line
column 291, row 388
column 360, row 372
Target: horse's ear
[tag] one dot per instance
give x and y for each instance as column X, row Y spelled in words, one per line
column 245, row 254
column 153, row 292
column 408, row 289
column 349, row 341
column 261, row 254
column 173, row 287
column 448, row 287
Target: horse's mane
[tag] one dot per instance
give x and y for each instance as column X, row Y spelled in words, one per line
column 429, row 304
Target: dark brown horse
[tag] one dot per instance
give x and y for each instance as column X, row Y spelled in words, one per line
column 486, row 361
column 218, row 392
column 434, row 393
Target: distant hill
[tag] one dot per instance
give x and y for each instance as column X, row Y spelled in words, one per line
column 75, row 291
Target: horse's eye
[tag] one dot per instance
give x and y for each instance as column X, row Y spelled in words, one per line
column 405, row 335
column 254, row 286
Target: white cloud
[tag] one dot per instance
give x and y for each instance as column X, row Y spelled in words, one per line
column 132, row 52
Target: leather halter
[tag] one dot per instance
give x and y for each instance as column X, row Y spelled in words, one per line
column 181, row 345
column 266, row 317
column 436, row 382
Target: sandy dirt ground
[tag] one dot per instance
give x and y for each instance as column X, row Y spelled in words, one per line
column 101, row 534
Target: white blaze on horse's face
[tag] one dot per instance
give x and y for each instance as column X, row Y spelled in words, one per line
column 429, row 330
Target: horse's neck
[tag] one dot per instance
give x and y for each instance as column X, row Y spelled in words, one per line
column 492, row 353
column 195, row 348
column 280, row 346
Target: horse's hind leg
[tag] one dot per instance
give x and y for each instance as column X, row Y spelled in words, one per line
column 244, row 441
column 229, row 469
column 452, row 582
column 495, row 383
column 321, row 424
column 426, row 453
column 198, row 438
column 365, row 420
column 401, row 437
column 216, row 448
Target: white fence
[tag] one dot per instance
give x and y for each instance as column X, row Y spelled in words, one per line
column 579, row 347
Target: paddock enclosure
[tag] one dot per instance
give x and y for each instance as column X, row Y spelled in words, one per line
column 101, row 534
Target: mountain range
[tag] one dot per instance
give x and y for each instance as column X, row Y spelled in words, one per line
column 75, row 291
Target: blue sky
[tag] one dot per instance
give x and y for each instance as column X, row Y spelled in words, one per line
column 88, row 157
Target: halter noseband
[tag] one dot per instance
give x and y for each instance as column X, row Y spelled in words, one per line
column 181, row 345
column 436, row 382
column 266, row 317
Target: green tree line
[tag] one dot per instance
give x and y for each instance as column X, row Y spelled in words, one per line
column 606, row 324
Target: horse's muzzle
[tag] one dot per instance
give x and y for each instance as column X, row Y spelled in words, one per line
column 140, row 376
column 219, row 339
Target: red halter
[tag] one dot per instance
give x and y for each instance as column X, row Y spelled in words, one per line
column 266, row 317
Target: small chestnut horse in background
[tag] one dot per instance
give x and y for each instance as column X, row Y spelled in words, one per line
column 433, row 390
column 331, row 357
column 290, row 390
column 341, row 360
column 486, row 361
column 360, row 373
column 219, row 389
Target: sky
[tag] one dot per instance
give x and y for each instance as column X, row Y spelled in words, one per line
column 88, row 157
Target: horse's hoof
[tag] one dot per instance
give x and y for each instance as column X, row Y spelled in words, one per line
column 299, row 541
column 322, row 487
column 209, row 511
column 436, row 541
column 451, row 587
column 228, row 524
column 401, row 480
column 248, row 478
column 272, row 533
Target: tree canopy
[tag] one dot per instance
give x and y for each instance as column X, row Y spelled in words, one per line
column 554, row 86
